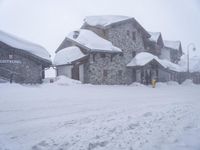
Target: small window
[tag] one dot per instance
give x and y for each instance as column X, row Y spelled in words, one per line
column 133, row 53
column 120, row 73
column 134, row 36
column 76, row 34
column 128, row 33
column 105, row 73
column 103, row 55
column 10, row 56
column 111, row 57
column 121, row 54
column 93, row 57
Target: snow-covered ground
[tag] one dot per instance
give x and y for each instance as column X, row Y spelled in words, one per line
column 63, row 116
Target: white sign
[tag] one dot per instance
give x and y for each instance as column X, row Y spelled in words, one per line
column 10, row 62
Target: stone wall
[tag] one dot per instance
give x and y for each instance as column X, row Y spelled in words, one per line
column 112, row 69
column 24, row 68
column 107, row 69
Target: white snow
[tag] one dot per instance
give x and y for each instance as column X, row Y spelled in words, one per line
column 55, row 117
column 68, row 55
column 154, row 36
column 172, row 44
column 93, row 41
column 188, row 82
column 102, row 21
column 143, row 58
column 63, row 80
column 21, row 44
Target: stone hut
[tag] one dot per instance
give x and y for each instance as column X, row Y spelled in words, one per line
column 22, row 61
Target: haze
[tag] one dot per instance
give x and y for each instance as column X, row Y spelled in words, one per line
column 46, row 22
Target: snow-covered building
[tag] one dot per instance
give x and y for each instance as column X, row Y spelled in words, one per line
column 22, row 61
column 148, row 66
column 154, row 44
column 104, row 49
column 172, row 51
column 109, row 43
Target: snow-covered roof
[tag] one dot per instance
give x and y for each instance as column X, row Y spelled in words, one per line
column 172, row 44
column 154, row 36
column 68, row 55
column 92, row 41
column 24, row 45
column 103, row 21
column 144, row 58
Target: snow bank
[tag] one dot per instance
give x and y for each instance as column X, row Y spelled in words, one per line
column 172, row 44
column 68, row 55
column 92, row 41
column 102, row 21
column 154, row 36
column 144, row 58
column 62, row 80
column 21, row 44
column 165, row 84
column 188, row 82
column 137, row 84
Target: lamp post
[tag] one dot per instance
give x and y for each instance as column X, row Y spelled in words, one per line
column 191, row 45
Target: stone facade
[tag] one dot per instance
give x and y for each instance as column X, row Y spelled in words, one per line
column 110, row 68
column 19, row 66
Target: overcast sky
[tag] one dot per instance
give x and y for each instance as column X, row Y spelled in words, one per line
column 46, row 22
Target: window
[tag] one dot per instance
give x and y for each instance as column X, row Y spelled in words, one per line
column 111, row 57
column 120, row 73
column 133, row 53
column 121, row 54
column 93, row 57
column 105, row 73
column 128, row 33
column 10, row 56
column 76, row 34
column 134, row 36
column 103, row 55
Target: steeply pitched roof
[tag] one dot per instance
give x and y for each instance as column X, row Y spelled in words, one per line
column 154, row 36
column 24, row 45
column 92, row 41
column 68, row 56
column 172, row 44
column 107, row 21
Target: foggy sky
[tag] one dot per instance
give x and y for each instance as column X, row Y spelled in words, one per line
column 47, row 22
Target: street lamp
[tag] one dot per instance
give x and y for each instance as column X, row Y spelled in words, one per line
column 189, row 47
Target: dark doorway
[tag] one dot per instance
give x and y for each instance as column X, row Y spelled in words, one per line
column 75, row 72
column 134, row 75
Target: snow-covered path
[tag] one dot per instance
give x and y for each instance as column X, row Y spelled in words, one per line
column 86, row 117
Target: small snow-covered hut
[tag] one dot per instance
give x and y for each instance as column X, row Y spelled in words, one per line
column 22, row 61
